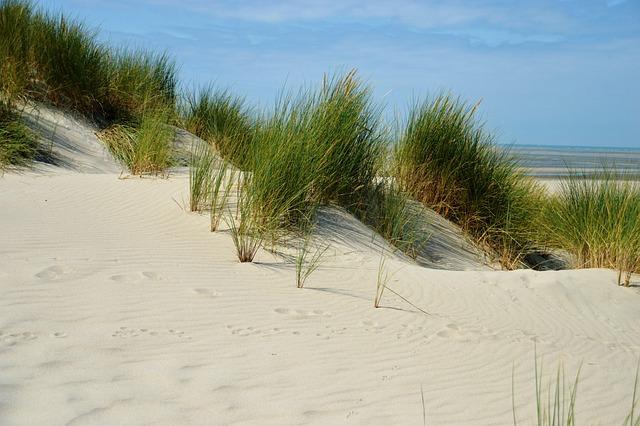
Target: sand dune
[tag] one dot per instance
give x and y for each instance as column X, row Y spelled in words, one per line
column 119, row 307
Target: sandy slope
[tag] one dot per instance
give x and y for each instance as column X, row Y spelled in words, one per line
column 119, row 307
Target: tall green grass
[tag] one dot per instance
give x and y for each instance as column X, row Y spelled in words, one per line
column 18, row 145
column 597, row 220
column 15, row 50
column 146, row 148
column 223, row 120
column 446, row 159
column 52, row 58
column 318, row 146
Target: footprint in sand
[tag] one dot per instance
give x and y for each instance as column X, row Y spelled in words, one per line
column 53, row 272
column 253, row 331
column 371, row 326
column 452, row 331
column 16, row 338
column 206, row 292
column 126, row 333
column 300, row 314
column 136, row 277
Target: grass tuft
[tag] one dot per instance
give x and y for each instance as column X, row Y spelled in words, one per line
column 447, row 160
column 143, row 149
column 307, row 261
column 597, row 220
column 52, row 58
column 221, row 119
column 18, row 145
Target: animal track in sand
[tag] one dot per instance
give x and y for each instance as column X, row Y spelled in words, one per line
column 253, row 331
column 372, row 326
column 300, row 314
column 126, row 332
column 206, row 292
column 15, row 338
column 455, row 332
column 136, row 277
column 11, row 339
column 53, row 272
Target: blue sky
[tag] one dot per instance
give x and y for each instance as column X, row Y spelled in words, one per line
column 553, row 72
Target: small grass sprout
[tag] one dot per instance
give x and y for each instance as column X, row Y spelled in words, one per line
column 307, row 260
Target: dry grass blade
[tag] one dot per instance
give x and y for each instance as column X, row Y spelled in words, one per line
column 383, row 278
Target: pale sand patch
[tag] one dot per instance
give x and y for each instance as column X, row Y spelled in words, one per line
column 119, row 307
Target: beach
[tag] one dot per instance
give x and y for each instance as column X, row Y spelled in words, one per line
column 118, row 306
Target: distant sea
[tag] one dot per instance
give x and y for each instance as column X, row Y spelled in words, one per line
column 555, row 161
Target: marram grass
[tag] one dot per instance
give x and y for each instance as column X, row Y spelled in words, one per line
column 18, row 145
column 597, row 220
column 223, row 120
column 446, row 159
column 52, row 58
column 144, row 149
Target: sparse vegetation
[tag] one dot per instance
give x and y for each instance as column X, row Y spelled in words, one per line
column 306, row 265
column 382, row 281
column 447, row 160
column 246, row 231
column 557, row 405
column 597, row 220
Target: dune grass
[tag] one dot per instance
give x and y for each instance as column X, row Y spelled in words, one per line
column 18, row 145
column 48, row 57
column 597, row 220
column 556, row 400
column 308, row 256
column 246, row 227
column 224, row 176
column 382, row 280
column 201, row 165
column 399, row 219
column 446, row 159
column 144, row 149
column 318, row 146
column 223, row 120
column 15, row 49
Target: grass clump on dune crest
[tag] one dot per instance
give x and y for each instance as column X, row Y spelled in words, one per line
column 318, row 147
column 597, row 220
column 145, row 148
column 448, row 161
column 326, row 146
column 51, row 58
column 220, row 118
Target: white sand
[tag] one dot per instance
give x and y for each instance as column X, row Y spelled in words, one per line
column 119, row 307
